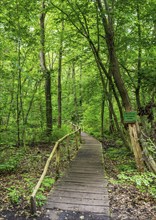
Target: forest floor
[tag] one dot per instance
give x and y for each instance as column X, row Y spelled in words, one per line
column 132, row 195
column 128, row 200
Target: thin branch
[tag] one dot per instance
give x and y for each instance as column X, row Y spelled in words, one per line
column 69, row 18
column 128, row 72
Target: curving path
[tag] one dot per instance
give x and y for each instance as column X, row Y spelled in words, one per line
column 83, row 189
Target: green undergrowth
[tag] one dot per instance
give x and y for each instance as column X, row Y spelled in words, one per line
column 122, row 170
column 10, row 159
column 60, row 132
column 19, row 193
column 21, row 168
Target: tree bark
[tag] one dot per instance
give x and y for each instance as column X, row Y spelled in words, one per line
column 19, row 100
column 102, row 114
column 59, row 76
column 137, row 91
column 74, row 92
column 111, row 122
column 46, row 73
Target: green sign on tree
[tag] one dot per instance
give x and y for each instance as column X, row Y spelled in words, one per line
column 130, row 117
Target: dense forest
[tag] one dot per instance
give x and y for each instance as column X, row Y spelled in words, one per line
column 90, row 63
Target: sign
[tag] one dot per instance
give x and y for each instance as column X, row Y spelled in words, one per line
column 130, row 117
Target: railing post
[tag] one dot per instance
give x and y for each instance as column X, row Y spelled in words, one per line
column 77, row 140
column 68, row 148
column 80, row 136
column 57, row 162
column 33, row 205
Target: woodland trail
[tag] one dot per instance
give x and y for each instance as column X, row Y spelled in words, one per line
column 83, row 189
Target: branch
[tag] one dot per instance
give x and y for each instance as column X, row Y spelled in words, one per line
column 69, row 18
column 128, row 72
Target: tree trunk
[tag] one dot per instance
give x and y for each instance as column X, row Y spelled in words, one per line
column 137, row 91
column 59, row 77
column 46, row 73
column 111, row 122
column 102, row 114
column 74, row 92
column 19, row 87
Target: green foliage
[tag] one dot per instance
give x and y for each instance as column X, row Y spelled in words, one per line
column 46, row 185
column 10, row 159
column 151, row 147
column 22, row 84
column 40, row 199
column 13, row 194
column 146, row 181
column 127, row 167
column 60, row 132
column 127, row 173
column 123, row 158
column 48, row 182
column 118, row 152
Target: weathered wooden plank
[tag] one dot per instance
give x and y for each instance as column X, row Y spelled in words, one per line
column 89, row 173
column 79, row 186
column 86, row 175
column 81, row 201
column 85, row 180
column 89, row 169
column 79, row 195
column 92, row 190
column 83, row 183
column 86, row 165
column 95, row 176
column 78, row 207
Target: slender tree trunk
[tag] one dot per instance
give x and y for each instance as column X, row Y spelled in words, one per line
column 59, row 77
column 46, row 73
column 137, row 91
column 114, row 66
column 111, row 121
column 74, row 92
column 18, row 99
column 60, row 91
column 80, row 102
column 19, row 88
column 11, row 102
column 102, row 114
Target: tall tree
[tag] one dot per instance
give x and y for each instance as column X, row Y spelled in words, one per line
column 115, row 71
column 60, row 73
column 46, row 72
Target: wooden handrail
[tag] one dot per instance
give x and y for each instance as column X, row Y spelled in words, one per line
column 33, row 195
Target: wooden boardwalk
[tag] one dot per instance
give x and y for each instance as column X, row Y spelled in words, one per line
column 83, row 188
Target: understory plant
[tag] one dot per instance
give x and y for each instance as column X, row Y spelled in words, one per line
column 126, row 172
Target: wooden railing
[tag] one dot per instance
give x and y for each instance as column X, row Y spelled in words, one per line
column 55, row 150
